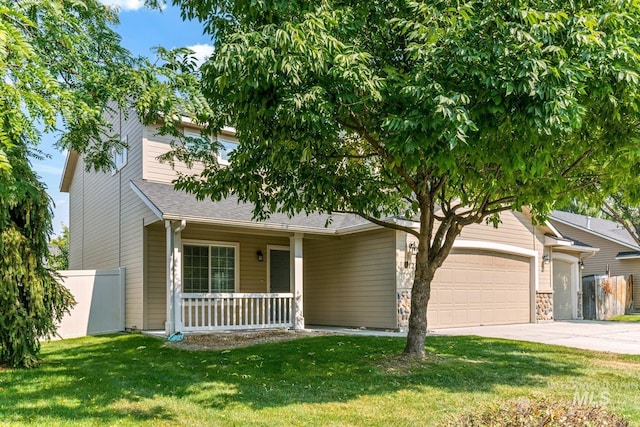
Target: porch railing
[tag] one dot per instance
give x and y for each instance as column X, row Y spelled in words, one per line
column 210, row 312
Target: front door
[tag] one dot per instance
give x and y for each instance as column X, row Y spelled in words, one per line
column 562, row 290
column 279, row 271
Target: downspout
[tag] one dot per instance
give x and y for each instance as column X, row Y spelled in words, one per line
column 169, row 326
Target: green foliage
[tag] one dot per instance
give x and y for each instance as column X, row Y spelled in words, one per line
column 61, row 69
column 343, row 107
column 59, row 254
column 443, row 111
column 32, row 300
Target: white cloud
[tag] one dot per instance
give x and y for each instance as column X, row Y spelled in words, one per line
column 124, row 4
column 202, row 52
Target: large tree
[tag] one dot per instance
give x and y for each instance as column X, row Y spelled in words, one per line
column 442, row 111
column 61, row 68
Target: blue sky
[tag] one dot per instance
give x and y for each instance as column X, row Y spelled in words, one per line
column 141, row 29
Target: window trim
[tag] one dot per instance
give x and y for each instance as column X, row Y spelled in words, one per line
column 208, row 244
column 192, row 133
column 122, row 155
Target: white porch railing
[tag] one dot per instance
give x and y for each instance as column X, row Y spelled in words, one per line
column 213, row 312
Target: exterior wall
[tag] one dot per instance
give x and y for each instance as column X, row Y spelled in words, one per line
column 597, row 264
column 155, row 145
column 351, row 281
column 253, row 273
column 107, row 219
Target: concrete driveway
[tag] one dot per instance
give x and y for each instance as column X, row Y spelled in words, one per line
column 615, row 337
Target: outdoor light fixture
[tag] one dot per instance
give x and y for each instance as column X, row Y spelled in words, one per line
column 545, row 259
column 412, row 250
column 581, row 265
column 260, row 256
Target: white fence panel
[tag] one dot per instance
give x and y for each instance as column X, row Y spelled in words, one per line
column 99, row 305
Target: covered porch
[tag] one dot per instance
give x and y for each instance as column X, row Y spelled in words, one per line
column 208, row 266
column 224, row 297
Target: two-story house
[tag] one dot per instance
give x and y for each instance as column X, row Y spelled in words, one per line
column 202, row 265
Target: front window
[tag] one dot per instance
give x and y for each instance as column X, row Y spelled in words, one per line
column 210, row 268
column 225, row 149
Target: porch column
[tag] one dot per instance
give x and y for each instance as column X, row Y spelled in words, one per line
column 296, row 279
column 174, row 281
column 177, row 274
column 169, row 325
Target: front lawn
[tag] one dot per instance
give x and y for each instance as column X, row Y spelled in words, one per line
column 327, row 380
column 626, row 318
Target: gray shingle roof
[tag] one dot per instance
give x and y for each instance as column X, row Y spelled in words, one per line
column 601, row 227
column 173, row 204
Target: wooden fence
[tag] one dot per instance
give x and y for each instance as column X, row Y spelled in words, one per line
column 604, row 297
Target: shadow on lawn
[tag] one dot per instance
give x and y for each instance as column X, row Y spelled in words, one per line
column 136, row 377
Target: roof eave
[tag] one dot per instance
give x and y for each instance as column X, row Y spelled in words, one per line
column 70, row 164
column 587, row 230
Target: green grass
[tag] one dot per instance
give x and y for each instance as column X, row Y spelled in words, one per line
column 327, row 380
column 626, row 318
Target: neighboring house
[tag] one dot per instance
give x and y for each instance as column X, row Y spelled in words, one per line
column 201, row 265
column 619, row 254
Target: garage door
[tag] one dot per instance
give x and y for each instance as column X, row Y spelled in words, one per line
column 480, row 288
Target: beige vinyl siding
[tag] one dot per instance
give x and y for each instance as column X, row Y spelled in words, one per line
column 253, row 273
column 545, row 274
column 597, row 264
column 156, row 276
column 132, row 214
column 515, row 229
column 106, row 219
column 156, row 145
column 351, row 281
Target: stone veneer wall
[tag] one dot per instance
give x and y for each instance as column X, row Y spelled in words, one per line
column 404, row 308
column 580, row 305
column 544, row 306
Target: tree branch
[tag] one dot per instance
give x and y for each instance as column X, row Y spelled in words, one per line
column 620, row 220
column 382, row 223
column 381, row 151
column 576, row 163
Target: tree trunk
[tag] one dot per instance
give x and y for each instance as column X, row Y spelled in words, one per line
column 420, row 294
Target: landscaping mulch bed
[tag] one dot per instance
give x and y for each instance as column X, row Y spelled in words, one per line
column 237, row 339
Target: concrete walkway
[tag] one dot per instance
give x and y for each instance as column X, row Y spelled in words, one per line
column 615, row 337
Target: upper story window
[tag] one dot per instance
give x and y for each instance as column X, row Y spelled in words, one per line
column 119, row 156
column 226, row 149
column 227, row 145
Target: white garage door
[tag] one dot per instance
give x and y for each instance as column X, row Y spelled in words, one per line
column 480, row 288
